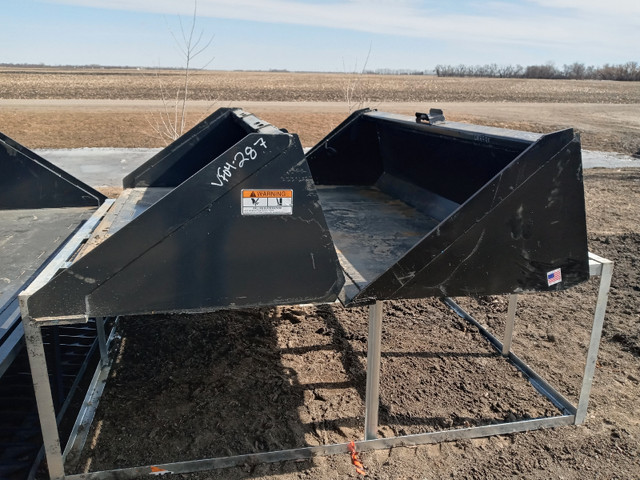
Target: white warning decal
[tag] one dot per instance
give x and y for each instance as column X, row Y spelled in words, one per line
column 267, row 202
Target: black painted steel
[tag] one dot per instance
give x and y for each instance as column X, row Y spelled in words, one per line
column 181, row 238
column 29, row 181
column 191, row 152
column 448, row 209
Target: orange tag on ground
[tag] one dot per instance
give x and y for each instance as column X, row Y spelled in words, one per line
column 355, row 460
column 159, row 471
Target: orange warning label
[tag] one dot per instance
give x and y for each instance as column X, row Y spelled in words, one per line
column 267, row 202
column 267, row 193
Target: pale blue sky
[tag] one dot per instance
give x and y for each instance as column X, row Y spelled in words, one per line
column 331, row 35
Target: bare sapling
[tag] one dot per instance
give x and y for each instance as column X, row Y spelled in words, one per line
column 172, row 121
column 355, row 88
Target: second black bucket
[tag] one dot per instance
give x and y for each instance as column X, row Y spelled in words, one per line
column 423, row 207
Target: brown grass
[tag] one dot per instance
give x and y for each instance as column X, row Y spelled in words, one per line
column 66, row 128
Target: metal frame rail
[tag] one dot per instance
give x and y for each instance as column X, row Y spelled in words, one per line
column 570, row 414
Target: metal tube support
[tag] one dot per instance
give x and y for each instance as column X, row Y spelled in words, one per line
column 319, row 450
column 44, row 399
column 596, row 333
column 58, row 374
column 102, row 341
column 508, row 330
column 373, row 372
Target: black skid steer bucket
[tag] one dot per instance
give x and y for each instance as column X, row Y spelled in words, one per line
column 225, row 216
column 423, row 207
column 40, row 207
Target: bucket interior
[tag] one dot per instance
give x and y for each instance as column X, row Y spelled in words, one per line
column 385, row 184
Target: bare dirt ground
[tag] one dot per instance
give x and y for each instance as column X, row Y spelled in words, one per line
column 232, row 382
column 113, row 84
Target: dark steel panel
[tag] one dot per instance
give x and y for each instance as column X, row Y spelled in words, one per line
column 29, row 181
column 454, row 169
column 349, row 155
column 527, row 221
column 415, row 210
column 189, row 153
column 371, row 228
column 27, row 239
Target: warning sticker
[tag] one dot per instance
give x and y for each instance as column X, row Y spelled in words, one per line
column 267, row 202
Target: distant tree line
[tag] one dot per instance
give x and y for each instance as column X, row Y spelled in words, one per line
column 629, row 72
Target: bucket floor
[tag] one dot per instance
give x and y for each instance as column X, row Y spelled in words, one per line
column 370, row 229
column 28, row 238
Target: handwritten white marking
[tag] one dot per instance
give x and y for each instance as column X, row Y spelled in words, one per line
column 225, row 172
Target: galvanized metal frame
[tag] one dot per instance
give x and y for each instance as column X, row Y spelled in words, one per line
column 80, row 431
column 602, row 267
column 508, row 330
column 89, row 405
column 372, row 395
column 570, row 414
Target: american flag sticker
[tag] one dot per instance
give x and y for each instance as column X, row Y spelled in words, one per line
column 554, row 276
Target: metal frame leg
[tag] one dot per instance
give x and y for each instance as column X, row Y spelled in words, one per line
column 102, row 341
column 58, row 374
column 44, row 399
column 508, row 329
column 596, row 333
column 372, row 399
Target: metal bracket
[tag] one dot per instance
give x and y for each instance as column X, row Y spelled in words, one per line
column 434, row 116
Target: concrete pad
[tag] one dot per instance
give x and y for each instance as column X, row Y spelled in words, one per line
column 594, row 159
column 101, row 167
